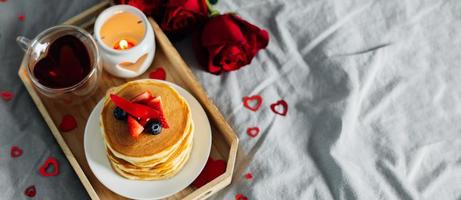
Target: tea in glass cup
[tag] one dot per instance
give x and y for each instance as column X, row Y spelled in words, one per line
column 63, row 63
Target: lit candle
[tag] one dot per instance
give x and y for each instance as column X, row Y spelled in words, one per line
column 122, row 31
column 126, row 40
column 123, row 44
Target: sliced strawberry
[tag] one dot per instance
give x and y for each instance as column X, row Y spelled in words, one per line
column 164, row 122
column 142, row 98
column 156, row 104
column 143, row 121
column 134, row 127
column 134, row 109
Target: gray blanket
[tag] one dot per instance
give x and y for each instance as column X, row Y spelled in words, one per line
column 372, row 89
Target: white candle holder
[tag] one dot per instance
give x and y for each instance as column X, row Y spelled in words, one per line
column 131, row 62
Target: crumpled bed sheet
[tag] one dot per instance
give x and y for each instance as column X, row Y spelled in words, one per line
column 373, row 93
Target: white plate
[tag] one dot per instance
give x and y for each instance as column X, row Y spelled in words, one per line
column 97, row 158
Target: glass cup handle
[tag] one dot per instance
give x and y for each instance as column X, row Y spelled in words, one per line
column 23, row 42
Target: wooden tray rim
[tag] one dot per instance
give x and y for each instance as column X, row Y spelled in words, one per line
column 202, row 192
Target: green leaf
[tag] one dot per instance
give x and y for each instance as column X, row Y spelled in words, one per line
column 211, row 10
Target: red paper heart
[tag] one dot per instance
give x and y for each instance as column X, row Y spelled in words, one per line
column 30, row 191
column 68, row 123
column 282, row 103
column 21, row 18
column 159, row 74
column 50, row 161
column 213, row 169
column 2, row 1
column 240, row 197
column 249, row 176
column 6, row 95
column 16, row 151
column 253, row 131
column 248, row 100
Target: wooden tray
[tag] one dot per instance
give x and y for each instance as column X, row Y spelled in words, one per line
column 224, row 142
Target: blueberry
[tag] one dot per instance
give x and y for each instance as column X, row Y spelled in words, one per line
column 120, row 114
column 153, row 127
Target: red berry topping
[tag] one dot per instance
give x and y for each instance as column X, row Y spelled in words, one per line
column 143, row 121
column 134, row 109
column 156, row 104
column 141, row 109
column 134, row 127
column 142, row 98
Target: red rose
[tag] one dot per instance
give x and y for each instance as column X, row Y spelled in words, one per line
column 148, row 7
column 227, row 42
column 183, row 15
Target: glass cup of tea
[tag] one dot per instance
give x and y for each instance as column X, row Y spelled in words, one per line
column 63, row 63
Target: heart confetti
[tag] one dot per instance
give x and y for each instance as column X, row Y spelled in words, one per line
column 159, row 74
column 16, row 151
column 21, row 18
column 6, row 95
column 50, row 162
column 253, row 131
column 281, row 104
column 252, row 103
column 68, row 123
column 213, row 169
column 30, row 191
column 248, row 176
column 240, row 197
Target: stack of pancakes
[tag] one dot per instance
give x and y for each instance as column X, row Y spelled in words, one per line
column 148, row 157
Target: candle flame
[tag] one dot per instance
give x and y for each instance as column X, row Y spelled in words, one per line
column 123, row 44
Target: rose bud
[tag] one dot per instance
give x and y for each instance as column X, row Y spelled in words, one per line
column 182, row 16
column 227, row 42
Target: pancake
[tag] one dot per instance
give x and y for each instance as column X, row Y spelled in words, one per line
column 148, row 157
column 146, row 146
column 162, row 171
column 127, row 166
column 151, row 177
column 154, row 160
